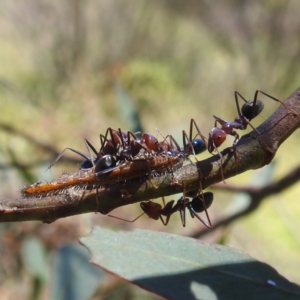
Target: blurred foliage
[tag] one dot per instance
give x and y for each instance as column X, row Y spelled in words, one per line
column 59, row 66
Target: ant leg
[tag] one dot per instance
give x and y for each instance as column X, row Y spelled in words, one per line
column 129, row 133
column 61, row 154
column 193, row 210
column 167, row 211
column 104, row 139
column 275, row 99
column 159, row 132
column 221, row 160
column 206, row 206
column 183, row 205
column 236, row 94
column 219, row 120
column 183, row 200
column 236, row 139
column 129, row 221
column 122, row 138
column 147, row 150
column 172, row 142
column 191, row 144
column 170, row 137
column 90, row 147
column 195, row 214
column 198, row 132
column 187, row 144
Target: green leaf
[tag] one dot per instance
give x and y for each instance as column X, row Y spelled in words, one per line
column 34, row 257
column 73, row 277
column 177, row 267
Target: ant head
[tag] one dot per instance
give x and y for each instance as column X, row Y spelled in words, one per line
column 151, row 209
column 199, row 146
column 150, row 141
column 105, row 162
column 216, row 138
column 249, row 111
column 199, row 204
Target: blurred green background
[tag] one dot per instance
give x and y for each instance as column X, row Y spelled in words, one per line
column 70, row 69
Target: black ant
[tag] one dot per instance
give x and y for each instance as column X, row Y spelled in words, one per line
column 198, row 204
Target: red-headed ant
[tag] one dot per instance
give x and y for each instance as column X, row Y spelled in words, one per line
column 249, row 111
column 142, row 157
column 147, row 148
column 198, row 204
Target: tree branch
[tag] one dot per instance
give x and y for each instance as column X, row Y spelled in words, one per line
column 253, row 151
column 257, row 196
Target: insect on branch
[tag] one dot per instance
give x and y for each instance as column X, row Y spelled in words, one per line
column 253, row 151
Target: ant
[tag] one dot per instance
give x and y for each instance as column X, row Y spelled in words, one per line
column 123, row 146
column 192, row 145
column 152, row 148
column 155, row 211
column 107, row 156
column 249, row 111
column 157, row 156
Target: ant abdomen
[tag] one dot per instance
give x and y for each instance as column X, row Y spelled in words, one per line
column 198, row 146
column 105, row 162
column 250, row 112
column 200, row 205
column 87, row 164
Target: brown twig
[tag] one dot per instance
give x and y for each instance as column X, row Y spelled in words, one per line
column 253, row 151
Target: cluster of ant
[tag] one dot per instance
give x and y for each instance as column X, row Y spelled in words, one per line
column 119, row 148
